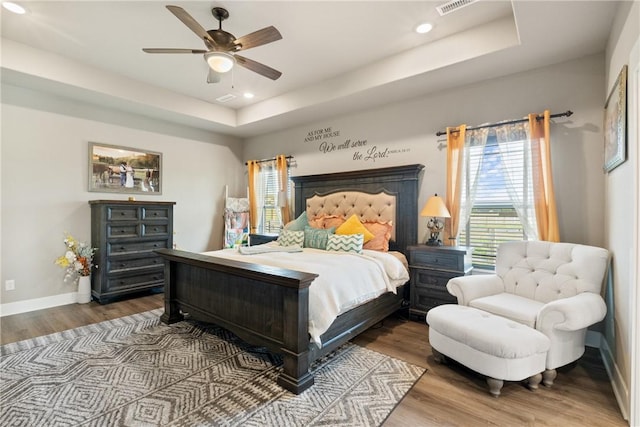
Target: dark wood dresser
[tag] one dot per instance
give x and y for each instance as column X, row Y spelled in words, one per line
column 126, row 234
column 431, row 267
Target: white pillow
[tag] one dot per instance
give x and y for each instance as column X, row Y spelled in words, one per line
column 291, row 238
column 345, row 242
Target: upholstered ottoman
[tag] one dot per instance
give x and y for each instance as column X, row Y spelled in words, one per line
column 492, row 345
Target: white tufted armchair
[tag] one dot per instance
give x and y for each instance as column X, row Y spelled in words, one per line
column 552, row 287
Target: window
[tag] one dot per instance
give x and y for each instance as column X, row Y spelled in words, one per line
column 269, row 211
column 497, row 196
column 270, row 221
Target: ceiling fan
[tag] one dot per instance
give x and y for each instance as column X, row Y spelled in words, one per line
column 222, row 46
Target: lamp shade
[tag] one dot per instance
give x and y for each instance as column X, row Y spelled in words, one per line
column 435, row 207
column 220, row 62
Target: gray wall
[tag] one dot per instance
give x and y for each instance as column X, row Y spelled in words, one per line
column 407, row 132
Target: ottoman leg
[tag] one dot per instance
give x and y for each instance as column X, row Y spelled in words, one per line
column 494, row 386
column 534, row 381
column 438, row 357
column 548, row 376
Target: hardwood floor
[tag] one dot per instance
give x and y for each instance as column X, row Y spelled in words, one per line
column 447, row 395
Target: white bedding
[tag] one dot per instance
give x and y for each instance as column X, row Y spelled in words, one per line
column 345, row 280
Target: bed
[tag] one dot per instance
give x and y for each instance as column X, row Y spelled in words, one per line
column 269, row 306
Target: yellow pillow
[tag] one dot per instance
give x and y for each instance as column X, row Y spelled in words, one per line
column 354, row 226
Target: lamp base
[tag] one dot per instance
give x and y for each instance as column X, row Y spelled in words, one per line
column 434, row 242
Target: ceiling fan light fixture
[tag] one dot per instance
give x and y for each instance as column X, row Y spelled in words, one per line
column 220, row 62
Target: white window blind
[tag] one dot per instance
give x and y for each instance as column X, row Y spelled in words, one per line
column 503, row 176
column 271, row 218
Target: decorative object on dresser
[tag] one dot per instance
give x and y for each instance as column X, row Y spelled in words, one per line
column 126, row 234
column 435, row 208
column 431, row 267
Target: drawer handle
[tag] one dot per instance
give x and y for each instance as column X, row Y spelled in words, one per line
column 155, row 229
column 122, row 213
column 155, row 214
column 122, row 248
column 155, row 245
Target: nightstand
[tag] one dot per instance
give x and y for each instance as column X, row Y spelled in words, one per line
column 258, row 239
column 431, row 267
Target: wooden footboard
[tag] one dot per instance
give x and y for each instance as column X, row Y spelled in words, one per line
column 264, row 306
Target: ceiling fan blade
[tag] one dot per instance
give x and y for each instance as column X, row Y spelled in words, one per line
column 193, row 25
column 258, row 67
column 171, row 50
column 258, row 38
column 213, row 77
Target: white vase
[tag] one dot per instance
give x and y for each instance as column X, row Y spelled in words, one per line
column 84, row 289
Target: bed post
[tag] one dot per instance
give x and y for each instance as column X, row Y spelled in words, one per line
column 295, row 348
column 171, row 309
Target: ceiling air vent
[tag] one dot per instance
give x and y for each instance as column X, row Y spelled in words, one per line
column 225, row 98
column 452, row 6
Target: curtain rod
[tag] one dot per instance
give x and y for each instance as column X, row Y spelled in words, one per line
column 273, row 159
column 567, row 113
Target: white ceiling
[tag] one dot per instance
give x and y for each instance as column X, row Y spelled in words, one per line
column 335, row 56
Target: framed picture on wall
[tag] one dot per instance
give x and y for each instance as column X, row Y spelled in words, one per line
column 117, row 169
column 615, row 124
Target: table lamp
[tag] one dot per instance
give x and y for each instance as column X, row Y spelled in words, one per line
column 435, row 208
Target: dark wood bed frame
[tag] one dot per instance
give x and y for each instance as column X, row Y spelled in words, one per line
column 269, row 306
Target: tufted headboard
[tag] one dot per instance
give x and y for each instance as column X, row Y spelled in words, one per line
column 399, row 183
column 368, row 207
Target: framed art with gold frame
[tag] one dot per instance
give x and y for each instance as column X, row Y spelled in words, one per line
column 117, row 169
column 615, row 124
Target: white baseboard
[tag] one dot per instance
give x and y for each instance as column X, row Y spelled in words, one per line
column 620, row 389
column 37, row 304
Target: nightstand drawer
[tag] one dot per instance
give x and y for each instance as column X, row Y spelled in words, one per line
column 134, row 264
column 425, row 298
column 115, row 248
column 122, row 213
column 426, row 277
column 155, row 213
column 138, row 281
column 155, row 229
column 122, row 230
column 436, row 260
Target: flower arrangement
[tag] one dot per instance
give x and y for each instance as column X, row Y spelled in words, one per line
column 76, row 259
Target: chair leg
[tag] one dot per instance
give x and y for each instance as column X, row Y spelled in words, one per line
column 548, row 376
column 534, row 381
column 438, row 357
column 494, row 386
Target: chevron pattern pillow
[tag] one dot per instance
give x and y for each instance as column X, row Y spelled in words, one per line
column 345, row 243
column 291, row 238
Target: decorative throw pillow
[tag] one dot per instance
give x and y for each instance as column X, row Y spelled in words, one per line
column 317, row 237
column 291, row 238
column 345, row 243
column 381, row 232
column 334, row 221
column 298, row 224
column 354, row 226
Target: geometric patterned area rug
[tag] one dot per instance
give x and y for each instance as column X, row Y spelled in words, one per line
column 136, row 371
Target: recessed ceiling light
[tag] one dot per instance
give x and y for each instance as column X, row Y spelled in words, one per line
column 424, row 28
column 14, row 7
column 248, row 95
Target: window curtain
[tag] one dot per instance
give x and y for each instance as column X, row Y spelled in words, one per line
column 455, row 147
column 283, row 184
column 472, row 165
column 514, row 145
column 253, row 168
column 545, row 201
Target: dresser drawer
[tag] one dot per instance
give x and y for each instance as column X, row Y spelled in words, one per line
column 155, row 213
column 132, row 264
column 136, row 281
column 127, row 248
column 122, row 213
column 116, row 229
column 436, row 260
column 155, row 229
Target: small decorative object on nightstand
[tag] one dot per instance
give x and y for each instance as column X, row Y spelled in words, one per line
column 431, row 268
column 435, row 208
